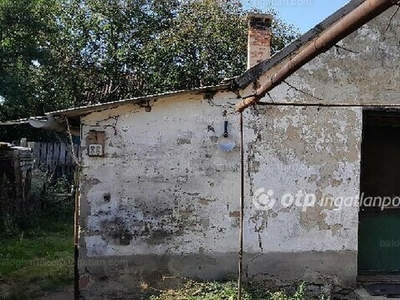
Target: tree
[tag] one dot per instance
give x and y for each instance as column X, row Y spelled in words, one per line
column 24, row 29
column 206, row 44
column 103, row 44
column 61, row 53
column 282, row 33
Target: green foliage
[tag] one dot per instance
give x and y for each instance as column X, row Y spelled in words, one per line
column 54, row 197
column 26, row 81
column 206, row 44
column 60, row 53
column 283, row 33
column 102, row 45
column 228, row 290
column 7, row 224
column 298, row 295
column 41, row 260
column 36, row 244
column 48, row 201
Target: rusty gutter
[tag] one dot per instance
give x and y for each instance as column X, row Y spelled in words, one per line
column 345, row 26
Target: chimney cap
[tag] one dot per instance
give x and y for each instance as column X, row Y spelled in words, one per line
column 262, row 16
column 259, row 20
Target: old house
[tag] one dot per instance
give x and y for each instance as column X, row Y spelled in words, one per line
column 160, row 177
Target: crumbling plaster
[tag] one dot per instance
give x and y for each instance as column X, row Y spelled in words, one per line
column 363, row 69
column 170, row 189
column 312, row 150
column 317, row 149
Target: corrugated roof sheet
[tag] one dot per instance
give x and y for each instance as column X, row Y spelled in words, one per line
column 8, row 146
column 15, row 122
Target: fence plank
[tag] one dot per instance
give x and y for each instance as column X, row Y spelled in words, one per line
column 55, row 158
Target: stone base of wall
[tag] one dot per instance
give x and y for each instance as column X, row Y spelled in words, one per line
column 118, row 277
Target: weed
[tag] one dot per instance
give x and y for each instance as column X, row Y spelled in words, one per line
column 38, row 261
column 49, row 200
column 216, row 291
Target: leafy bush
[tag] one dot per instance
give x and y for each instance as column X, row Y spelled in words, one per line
column 7, row 207
column 53, row 198
column 49, row 200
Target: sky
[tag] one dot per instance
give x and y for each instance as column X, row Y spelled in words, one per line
column 304, row 14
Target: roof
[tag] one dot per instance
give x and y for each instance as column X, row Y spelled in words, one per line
column 8, row 146
column 4, row 145
column 82, row 110
column 15, row 122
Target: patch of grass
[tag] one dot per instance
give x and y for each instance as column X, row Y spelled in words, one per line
column 40, row 260
column 228, row 290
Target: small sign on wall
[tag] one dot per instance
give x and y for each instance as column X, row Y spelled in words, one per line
column 95, row 142
column 96, row 150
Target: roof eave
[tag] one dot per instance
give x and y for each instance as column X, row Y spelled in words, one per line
column 83, row 110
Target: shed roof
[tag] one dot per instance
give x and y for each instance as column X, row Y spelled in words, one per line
column 82, row 110
column 8, row 146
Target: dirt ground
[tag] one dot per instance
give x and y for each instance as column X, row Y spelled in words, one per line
column 66, row 294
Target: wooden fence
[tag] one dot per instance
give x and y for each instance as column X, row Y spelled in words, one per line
column 55, row 158
column 16, row 165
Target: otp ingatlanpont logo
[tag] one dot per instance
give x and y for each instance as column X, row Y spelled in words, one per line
column 263, row 200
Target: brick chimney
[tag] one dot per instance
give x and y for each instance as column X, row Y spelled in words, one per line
column 259, row 38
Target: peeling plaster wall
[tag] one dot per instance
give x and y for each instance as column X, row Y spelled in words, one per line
column 163, row 192
column 317, row 150
column 308, row 160
column 313, row 151
column 164, row 201
column 163, row 185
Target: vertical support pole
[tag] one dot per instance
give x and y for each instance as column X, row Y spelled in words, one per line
column 241, row 218
column 76, row 233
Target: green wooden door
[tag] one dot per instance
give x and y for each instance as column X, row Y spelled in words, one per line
column 379, row 229
column 379, row 242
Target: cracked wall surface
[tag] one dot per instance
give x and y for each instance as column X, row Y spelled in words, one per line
column 313, row 151
column 162, row 180
column 164, row 200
